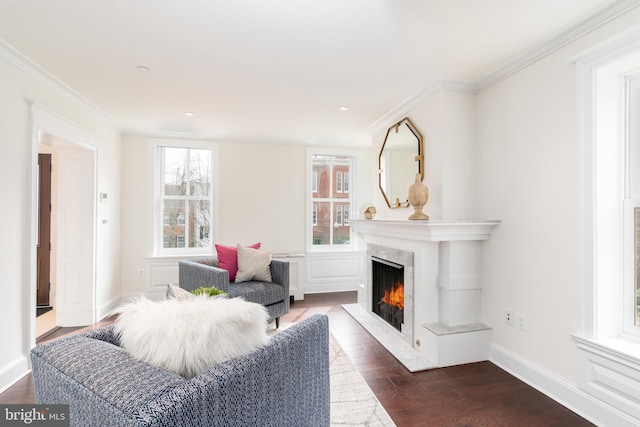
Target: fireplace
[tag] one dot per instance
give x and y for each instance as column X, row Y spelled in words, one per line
column 442, row 281
column 387, row 280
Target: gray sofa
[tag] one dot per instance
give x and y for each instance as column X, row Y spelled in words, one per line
column 274, row 295
column 285, row 383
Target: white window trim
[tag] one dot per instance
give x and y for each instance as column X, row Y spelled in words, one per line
column 314, row 214
column 629, row 329
column 606, row 353
column 603, row 223
column 356, row 157
column 157, row 249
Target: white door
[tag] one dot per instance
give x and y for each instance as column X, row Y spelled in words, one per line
column 75, row 243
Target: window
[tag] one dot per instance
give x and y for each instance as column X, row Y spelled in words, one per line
column 314, row 182
column 185, row 199
column 330, row 202
column 608, row 340
column 611, row 228
column 632, row 208
column 635, row 285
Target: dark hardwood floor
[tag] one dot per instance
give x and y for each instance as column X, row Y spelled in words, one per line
column 472, row 395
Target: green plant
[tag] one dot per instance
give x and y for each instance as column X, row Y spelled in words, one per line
column 212, row 291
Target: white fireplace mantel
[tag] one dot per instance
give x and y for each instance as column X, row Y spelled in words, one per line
column 433, row 231
column 445, row 287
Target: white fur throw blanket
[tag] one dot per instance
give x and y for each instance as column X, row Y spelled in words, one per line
column 187, row 337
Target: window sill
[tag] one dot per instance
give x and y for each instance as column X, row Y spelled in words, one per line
column 614, row 348
column 610, row 371
column 176, row 257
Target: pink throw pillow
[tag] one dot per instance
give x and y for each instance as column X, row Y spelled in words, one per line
column 228, row 258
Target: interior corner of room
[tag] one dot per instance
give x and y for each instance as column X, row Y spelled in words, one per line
column 519, row 129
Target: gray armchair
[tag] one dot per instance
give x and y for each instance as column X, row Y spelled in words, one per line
column 285, row 383
column 274, row 295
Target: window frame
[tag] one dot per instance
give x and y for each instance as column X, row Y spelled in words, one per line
column 314, row 220
column 606, row 200
column 158, row 249
column 355, row 157
column 631, row 204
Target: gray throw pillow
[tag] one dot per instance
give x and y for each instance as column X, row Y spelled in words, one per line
column 253, row 264
column 177, row 293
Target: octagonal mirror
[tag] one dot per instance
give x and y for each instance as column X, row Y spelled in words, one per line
column 401, row 157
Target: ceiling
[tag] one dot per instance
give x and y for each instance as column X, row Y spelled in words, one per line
column 274, row 70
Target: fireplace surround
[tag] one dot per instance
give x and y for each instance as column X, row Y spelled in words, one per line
column 442, row 289
column 387, row 291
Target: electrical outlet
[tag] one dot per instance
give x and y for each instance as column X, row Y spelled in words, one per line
column 141, row 272
column 521, row 321
column 508, row 317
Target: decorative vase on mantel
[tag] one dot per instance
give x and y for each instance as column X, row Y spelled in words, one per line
column 418, row 197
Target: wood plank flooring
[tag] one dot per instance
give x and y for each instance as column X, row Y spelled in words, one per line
column 472, row 395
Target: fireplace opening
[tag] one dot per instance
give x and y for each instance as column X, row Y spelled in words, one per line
column 388, row 291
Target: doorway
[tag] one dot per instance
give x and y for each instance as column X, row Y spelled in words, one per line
column 43, row 261
column 70, row 288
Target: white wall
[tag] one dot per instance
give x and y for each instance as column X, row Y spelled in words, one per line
column 109, row 214
column 529, row 160
column 17, row 86
column 529, row 154
column 261, row 197
column 14, row 140
column 446, row 121
column 530, row 177
column 523, row 167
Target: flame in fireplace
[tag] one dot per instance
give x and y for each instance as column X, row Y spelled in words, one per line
column 395, row 296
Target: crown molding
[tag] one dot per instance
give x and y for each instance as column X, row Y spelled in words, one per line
column 611, row 49
column 602, row 16
column 33, row 70
column 415, row 100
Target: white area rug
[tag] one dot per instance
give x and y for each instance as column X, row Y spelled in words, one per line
column 352, row 401
column 353, row 404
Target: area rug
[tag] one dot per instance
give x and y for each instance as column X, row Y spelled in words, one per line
column 352, row 401
column 353, row 404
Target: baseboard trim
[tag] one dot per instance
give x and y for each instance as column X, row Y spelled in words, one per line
column 105, row 309
column 559, row 389
column 13, row 372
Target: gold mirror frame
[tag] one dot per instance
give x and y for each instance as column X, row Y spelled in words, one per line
column 396, row 169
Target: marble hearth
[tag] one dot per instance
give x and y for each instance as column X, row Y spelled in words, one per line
column 443, row 284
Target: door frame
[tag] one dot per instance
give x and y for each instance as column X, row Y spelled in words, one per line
column 67, row 135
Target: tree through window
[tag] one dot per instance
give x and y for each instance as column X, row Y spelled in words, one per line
column 186, row 197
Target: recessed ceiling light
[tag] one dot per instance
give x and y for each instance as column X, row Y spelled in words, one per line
column 143, row 69
column 343, row 108
column 190, row 114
